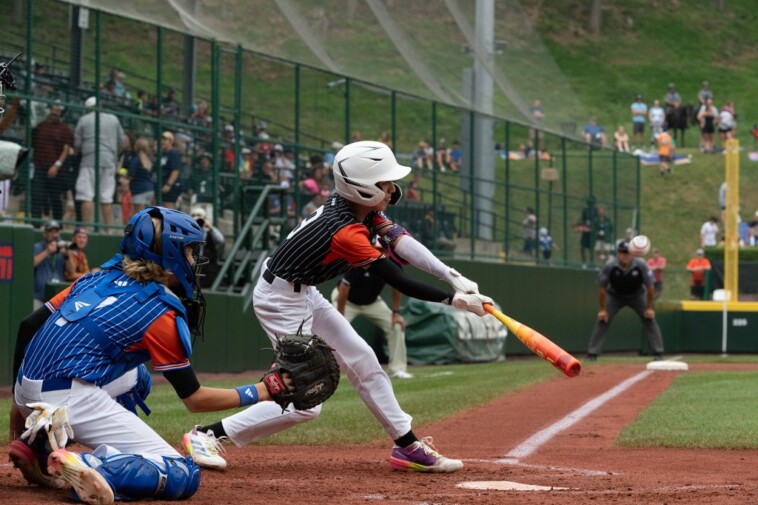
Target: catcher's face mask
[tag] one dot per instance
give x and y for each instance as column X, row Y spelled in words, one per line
column 195, row 306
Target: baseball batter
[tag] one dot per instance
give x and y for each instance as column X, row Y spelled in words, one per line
column 85, row 348
column 323, row 246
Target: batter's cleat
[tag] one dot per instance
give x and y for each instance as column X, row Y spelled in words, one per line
column 32, row 461
column 421, row 456
column 401, row 374
column 87, row 484
column 205, row 449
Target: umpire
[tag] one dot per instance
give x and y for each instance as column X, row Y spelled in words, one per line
column 625, row 281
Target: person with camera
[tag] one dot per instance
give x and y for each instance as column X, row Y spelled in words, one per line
column 49, row 259
column 76, row 264
column 212, row 248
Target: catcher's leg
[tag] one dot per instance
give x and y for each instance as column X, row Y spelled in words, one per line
column 127, row 476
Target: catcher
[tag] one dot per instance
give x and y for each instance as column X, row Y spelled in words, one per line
column 325, row 245
column 83, row 350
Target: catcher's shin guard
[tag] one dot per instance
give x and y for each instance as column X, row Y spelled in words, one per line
column 134, row 477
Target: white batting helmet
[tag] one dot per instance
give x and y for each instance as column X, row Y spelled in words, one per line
column 359, row 166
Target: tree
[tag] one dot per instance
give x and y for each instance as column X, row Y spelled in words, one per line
column 596, row 16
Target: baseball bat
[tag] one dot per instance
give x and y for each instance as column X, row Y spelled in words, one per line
column 539, row 344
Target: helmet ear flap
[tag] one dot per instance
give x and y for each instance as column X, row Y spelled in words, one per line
column 397, row 195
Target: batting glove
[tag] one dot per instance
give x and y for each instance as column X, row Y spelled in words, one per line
column 52, row 420
column 472, row 302
column 460, row 283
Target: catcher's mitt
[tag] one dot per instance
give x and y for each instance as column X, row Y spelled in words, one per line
column 308, row 359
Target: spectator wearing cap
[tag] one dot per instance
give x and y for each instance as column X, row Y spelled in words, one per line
column 698, row 266
column 329, row 155
column 672, row 100
column 52, row 140
column 171, row 169
column 639, row 117
column 625, row 281
column 170, row 108
column 109, row 142
column 705, row 93
column 48, row 260
column 213, row 247
column 76, row 264
column 261, row 131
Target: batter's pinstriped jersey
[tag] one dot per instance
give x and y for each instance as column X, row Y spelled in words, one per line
column 326, row 244
column 66, row 349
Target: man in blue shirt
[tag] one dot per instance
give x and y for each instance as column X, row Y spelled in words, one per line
column 594, row 133
column 49, row 261
column 639, row 114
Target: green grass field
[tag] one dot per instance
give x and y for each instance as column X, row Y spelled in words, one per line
column 700, row 410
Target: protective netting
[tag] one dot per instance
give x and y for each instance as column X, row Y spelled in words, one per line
column 422, row 48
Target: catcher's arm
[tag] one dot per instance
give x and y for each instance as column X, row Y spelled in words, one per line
column 199, row 398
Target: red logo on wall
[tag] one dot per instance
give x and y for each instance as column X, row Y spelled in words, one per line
column 6, row 262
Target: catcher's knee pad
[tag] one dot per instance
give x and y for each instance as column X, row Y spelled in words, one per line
column 133, row 476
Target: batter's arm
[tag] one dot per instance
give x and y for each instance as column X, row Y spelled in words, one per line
column 395, row 277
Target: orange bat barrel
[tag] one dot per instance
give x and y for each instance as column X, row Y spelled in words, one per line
column 539, row 344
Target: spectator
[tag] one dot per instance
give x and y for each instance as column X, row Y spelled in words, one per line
column 443, row 155
column 625, row 281
column 584, row 226
column 199, row 116
column 432, row 236
column 529, row 232
column 141, row 102
column 261, row 131
column 639, row 116
column 385, row 138
column 109, row 143
column 657, row 118
column 705, row 93
column 319, row 199
column 413, row 192
column 698, row 266
column 727, row 123
column 602, row 230
column 421, row 155
column 538, row 116
column 546, row 243
column 212, row 247
column 76, row 263
column 594, row 134
column 621, row 140
column 708, row 117
column 722, row 200
column 329, row 155
column 358, row 294
column 51, row 143
column 455, row 156
column 49, row 261
column 665, row 152
column 141, row 175
column 753, row 230
column 709, row 232
column 171, row 169
column 170, row 108
column 672, row 100
column 657, row 264
column 201, row 185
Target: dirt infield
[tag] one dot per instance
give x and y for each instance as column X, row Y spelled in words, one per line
column 582, row 458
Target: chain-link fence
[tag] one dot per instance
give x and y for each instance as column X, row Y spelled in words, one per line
column 120, row 114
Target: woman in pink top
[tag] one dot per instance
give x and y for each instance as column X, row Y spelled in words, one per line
column 657, row 263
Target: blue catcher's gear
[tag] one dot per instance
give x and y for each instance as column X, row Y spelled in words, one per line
column 179, row 231
column 136, row 396
column 133, row 477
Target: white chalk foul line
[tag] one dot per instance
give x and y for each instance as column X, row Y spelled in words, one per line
column 531, row 444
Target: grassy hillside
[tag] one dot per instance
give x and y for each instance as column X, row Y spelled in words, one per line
column 643, row 45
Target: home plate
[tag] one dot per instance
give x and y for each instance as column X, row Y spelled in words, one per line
column 506, row 485
column 667, row 365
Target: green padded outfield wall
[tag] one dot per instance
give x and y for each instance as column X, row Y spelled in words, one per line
column 560, row 303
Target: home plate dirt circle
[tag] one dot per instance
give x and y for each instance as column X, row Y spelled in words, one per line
column 507, row 485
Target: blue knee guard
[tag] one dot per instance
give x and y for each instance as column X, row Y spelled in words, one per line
column 134, row 477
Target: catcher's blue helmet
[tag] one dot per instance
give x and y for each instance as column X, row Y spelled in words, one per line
column 179, row 231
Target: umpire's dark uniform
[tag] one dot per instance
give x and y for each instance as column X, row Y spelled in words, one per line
column 625, row 281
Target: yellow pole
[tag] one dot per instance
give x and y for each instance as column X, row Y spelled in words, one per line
column 731, row 236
